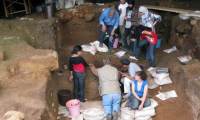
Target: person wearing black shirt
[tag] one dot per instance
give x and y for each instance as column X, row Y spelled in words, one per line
column 77, row 67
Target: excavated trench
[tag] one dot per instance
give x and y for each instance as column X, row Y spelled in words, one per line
column 80, row 26
column 75, row 29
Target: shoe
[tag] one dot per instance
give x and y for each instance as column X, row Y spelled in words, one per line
column 115, row 115
column 108, row 117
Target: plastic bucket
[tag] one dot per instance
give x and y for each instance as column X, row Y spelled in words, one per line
column 63, row 96
column 74, row 107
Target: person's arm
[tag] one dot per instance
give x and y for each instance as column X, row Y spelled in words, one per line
column 84, row 62
column 93, row 69
column 157, row 18
column 71, row 70
column 144, row 97
column 134, row 93
column 102, row 17
column 116, row 21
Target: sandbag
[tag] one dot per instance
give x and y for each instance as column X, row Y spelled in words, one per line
column 104, row 48
column 92, row 113
column 143, row 118
column 89, row 48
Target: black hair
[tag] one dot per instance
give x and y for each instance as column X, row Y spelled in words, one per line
column 142, row 75
column 76, row 49
column 131, row 2
column 125, row 61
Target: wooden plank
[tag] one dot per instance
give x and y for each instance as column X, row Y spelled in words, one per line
column 5, row 8
column 189, row 13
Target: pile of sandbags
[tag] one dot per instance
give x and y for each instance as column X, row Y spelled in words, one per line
column 144, row 114
column 93, row 47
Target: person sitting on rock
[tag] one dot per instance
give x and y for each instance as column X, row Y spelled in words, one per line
column 138, row 98
column 109, row 21
column 109, row 88
column 77, row 67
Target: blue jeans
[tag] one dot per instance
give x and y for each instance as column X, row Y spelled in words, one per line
column 134, row 103
column 150, row 54
column 103, row 34
column 79, row 86
column 111, row 103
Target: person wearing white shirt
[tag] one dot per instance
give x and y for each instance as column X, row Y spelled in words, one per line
column 127, row 78
column 122, row 10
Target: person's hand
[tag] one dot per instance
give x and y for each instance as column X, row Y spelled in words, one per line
column 103, row 28
column 140, row 107
column 70, row 77
column 112, row 33
column 91, row 65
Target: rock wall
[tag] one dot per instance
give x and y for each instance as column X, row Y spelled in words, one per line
column 185, row 34
column 24, row 78
column 38, row 32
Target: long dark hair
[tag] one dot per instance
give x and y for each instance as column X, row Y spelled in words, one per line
column 142, row 75
column 76, row 49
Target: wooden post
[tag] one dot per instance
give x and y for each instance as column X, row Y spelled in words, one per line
column 5, row 8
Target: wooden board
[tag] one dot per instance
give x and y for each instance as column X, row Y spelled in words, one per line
column 175, row 10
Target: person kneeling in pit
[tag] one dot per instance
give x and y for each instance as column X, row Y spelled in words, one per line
column 109, row 88
column 138, row 98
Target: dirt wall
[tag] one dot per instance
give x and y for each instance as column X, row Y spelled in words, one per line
column 38, row 32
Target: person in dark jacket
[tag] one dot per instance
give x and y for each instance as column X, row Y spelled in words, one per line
column 77, row 67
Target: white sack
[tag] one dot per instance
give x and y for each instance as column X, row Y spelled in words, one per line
column 167, row 95
column 163, row 79
column 92, row 113
column 120, row 53
column 100, row 49
column 89, row 48
column 143, row 118
column 170, row 50
column 142, row 113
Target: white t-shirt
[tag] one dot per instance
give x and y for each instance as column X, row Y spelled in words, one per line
column 122, row 8
column 133, row 68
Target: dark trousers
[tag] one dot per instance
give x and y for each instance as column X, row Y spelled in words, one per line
column 103, row 34
column 134, row 103
column 150, row 54
column 79, row 85
column 127, row 34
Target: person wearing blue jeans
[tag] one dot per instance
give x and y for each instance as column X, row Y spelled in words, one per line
column 79, row 83
column 111, row 103
column 77, row 67
column 138, row 98
column 150, row 54
column 109, row 88
column 109, row 21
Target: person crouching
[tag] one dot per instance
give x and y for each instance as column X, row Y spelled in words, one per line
column 138, row 98
column 109, row 88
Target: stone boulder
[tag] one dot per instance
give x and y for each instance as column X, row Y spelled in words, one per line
column 89, row 17
column 13, row 115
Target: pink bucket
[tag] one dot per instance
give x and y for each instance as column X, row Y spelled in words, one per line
column 74, row 107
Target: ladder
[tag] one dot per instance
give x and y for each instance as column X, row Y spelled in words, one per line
column 9, row 7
